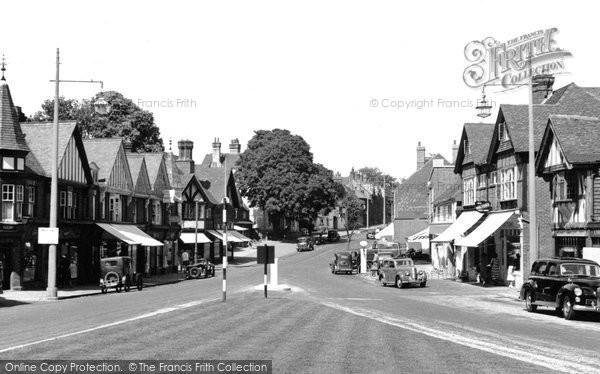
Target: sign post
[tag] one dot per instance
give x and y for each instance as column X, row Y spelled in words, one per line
column 265, row 255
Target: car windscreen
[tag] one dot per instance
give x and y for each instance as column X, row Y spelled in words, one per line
column 589, row 270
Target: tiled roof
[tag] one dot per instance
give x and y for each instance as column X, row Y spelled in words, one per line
column 153, row 162
column 174, row 174
column 479, row 136
column 39, row 140
column 579, row 137
column 227, row 159
column 11, row 135
column 450, row 194
column 135, row 161
column 213, row 180
column 445, row 184
column 571, row 100
column 411, row 195
column 102, row 152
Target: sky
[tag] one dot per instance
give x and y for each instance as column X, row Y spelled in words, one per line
column 328, row 71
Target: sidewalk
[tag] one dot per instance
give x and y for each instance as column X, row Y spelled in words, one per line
column 243, row 257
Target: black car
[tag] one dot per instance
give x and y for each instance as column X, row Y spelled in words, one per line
column 304, row 244
column 333, row 236
column 567, row 284
column 201, row 269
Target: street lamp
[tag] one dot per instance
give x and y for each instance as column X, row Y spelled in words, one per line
column 196, row 206
column 102, row 108
column 225, row 201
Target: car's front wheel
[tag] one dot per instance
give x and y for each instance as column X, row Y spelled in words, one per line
column 529, row 302
column 399, row 282
column 567, row 308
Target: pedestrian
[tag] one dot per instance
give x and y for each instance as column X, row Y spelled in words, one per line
column 495, row 269
column 185, row 258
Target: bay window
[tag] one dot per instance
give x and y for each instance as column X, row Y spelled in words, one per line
column 508, row 184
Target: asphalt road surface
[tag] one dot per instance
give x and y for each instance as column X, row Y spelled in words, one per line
column 327, row 323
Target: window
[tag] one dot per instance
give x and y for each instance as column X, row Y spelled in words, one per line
column 74, row 206
column 508, row 184
column 8, row 163
column 19, row 206
column 156, row 213
column 568, row 186
column 502, row 134
column 69, row 204
column 467, row 147
column 493, row 178
column 113, row 209
column 482, row 180
column 31, row 201
column 8, row 202
column 469, row 191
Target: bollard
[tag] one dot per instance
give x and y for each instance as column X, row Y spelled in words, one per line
column 274, row 272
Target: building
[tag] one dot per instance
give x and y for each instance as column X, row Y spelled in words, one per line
column 569, row 161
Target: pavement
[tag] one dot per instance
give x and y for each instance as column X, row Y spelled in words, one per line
column 243, row 257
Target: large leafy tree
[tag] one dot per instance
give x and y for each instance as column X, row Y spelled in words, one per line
column 125, row 119
column 351, row 209
column 276, row 173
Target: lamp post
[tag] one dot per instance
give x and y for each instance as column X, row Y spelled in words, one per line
column 485, row 108
column 101, row 106
column 225, row 201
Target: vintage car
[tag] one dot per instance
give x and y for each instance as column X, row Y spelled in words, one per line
column 318, row 238
column 201, row 269
column 342, row 263
column 305, row 243
column 117, row 273
column 567, row 284
column 401, row 272
column 333, row 236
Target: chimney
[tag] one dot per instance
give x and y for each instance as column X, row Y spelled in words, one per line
column 185, row 162
column 542, row 87
column 420, row 156
column 127, row 145
column 454, row 152
column 234, row 146
column 185, row 150
column 216, row 154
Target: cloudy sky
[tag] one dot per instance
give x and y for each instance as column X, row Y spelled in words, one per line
column 226, row 68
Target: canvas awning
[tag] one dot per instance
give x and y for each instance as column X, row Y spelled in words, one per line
column 117, row 234
column 421, row 235
column 216, row 234
column 231, row 236
column 492, row 223
column 130, row 234
column 189, row 238
column 387, row 231
column 239, row 228
column 463, row 223
column 240, row 236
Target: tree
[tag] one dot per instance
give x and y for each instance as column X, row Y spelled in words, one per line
column 351, row 208
column 125, row 120
column 276, row 173
column 388, row 184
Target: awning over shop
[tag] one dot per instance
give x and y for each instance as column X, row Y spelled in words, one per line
column 239, row 228
column 117, row 234
column 240, row 236
column 464, row 222
column 387, row 231
column 130, row 234
column 421, row 235
column 492, row 222
column 231, row 236
column 190, row 238
column 216, row 234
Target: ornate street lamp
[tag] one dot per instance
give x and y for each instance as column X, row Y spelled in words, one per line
column 483, row 106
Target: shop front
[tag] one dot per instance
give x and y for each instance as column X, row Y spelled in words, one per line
column 191, row 242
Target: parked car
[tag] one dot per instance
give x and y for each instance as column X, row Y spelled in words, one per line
column 304, row 244
column 203, row 268
column 342, row 263
column 117, row 273
column 567, row 284
column 401, row 272
column 417, row 254
column 371, row 234
column 318, row 239
column 333, row 236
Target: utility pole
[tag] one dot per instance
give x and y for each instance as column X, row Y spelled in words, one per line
column 384, row 199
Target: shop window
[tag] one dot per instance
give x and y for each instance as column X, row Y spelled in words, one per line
column 8, row 202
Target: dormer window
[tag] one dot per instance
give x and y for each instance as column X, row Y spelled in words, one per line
column 467, row 147
column 502, row 134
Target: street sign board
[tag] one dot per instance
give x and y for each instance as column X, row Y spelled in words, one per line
column 265, row 254
column 47, row 235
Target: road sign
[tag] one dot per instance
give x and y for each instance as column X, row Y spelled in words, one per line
column 265, row 254
column 47, row 235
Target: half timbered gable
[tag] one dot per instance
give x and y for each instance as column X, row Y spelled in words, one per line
column 139, row 173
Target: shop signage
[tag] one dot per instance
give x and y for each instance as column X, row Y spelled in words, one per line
column 483, row 206
column 47, row 235
column 507, row 63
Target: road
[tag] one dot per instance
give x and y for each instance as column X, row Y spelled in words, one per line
column 327, row 323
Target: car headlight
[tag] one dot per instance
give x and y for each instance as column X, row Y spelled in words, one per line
column 407, row 274
column 577, row 292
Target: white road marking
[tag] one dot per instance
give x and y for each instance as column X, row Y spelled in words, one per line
column 116, row 323
column 541, row 356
